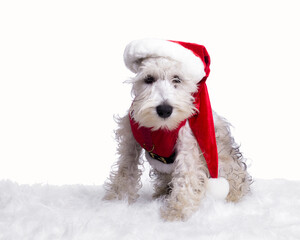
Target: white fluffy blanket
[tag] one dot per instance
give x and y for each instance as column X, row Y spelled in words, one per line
column 41, row 212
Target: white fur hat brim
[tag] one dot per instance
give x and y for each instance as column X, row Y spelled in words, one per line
column 138, row 50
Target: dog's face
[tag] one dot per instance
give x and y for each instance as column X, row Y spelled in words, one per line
column 162, row 94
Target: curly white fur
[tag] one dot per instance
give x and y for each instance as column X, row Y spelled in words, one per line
column 182, row 184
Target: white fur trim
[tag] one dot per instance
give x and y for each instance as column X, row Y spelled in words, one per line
column 145, row 48
column 217, row 188
column 159, row 166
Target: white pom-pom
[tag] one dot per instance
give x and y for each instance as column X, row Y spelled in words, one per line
column 217, row 188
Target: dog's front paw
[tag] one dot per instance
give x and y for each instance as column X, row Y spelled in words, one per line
column 171, row 215
column 110, row 196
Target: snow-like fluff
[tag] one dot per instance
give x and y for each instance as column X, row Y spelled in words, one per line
column 272, row 211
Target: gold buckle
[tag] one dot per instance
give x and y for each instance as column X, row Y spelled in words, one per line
column 162, row 159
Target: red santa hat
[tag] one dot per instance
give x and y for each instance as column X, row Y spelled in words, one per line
column 195, row 61
column 145, row 48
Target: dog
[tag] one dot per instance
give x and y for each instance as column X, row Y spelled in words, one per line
column 189, row 146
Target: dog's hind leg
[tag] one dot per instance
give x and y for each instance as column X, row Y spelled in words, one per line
column 124, row 181
column 234, row 169
column 232, row 164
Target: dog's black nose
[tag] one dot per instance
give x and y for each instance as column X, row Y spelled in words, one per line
column 164, row 110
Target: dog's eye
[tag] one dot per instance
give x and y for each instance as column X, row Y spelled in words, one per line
column 149, row 79
column 176, row 79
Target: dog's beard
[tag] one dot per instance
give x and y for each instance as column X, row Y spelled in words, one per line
column 145, row 114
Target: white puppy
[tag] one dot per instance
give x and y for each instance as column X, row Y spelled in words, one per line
column 189, row 147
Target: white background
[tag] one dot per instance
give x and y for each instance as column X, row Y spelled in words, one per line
column 61, row 74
